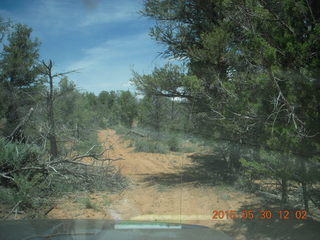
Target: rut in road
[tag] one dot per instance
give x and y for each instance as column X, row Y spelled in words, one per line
column 152, row 200
column 149, row 197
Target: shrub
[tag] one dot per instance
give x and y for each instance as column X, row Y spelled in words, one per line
column 142, row 145
column 120, row 129
column 174, row 144
column 86, row 142
column 88, row 203
column 15, row 155
column 31, row 191
column 189, row 148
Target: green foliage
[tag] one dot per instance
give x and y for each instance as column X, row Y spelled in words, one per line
column 18, row 77
column 120, row 129
column 31, row 191
column 87, row 203
column 128, row 108
column 87, row 143
column 174, row 144
column 190, row 148
column 30, row 187
column 152, row 112
column 142, row 145
column 253, row 72
column 19, row 57
column 15, row 156
column 25, row 176
column 250, row 76
column 167, row 81
column 111, row 108
column 254, row 168
column 166, row 141
column 7, row 195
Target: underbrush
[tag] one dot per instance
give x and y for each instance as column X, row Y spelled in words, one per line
column 151, row 141
column 83, row 144
column 143, row 145
column 87, row 203
column 30, row 180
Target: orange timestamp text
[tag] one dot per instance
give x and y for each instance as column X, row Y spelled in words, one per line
column 263, row 214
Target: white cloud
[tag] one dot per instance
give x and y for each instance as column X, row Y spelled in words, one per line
column 108, row 66
column 116, row 49
column 69, row 15
column 55, row 16
column 64, row 26
column 48, row 15
column 108, row 15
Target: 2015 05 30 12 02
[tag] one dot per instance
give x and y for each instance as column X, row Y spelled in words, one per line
column 263, row 214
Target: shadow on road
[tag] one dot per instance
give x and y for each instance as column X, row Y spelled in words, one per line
column 212, row 170
column 209, row 169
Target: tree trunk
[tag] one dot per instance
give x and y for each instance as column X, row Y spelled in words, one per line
column 304, row 184
column 157, row 119
column 47, row 71
column 305, row 196
column 235, row 156
column 52, row 132
column 284, row 192
column 172, row 109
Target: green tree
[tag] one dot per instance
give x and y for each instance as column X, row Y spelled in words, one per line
column 19, row 74
column 162, row 91
column 257, row 73
column 128, row 108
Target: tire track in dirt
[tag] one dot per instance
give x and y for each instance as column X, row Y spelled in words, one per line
column 145, row 200
column 153, row 201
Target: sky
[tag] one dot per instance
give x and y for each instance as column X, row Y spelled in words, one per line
column 104, row 40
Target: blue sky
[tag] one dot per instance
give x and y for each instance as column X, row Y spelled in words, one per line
column 104, row 39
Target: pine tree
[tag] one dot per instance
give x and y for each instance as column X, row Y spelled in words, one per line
column 19, row 74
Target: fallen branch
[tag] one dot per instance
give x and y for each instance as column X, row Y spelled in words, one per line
column 12, row 210
column 47, row 212
column 135, row 133
column 4, row 175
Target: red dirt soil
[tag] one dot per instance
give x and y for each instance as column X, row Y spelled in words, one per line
column 142, row 201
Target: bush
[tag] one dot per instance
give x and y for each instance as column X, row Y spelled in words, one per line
column 120, row 129
column 6, row 195
column 174, row 144
column 189, row 148
column 27, row 188
column 162, row 142
column 86, row 142
column 142, row 145
column 32, row 191
column 88, row 203
column 15, row 155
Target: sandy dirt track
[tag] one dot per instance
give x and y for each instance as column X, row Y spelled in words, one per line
column 149, row 199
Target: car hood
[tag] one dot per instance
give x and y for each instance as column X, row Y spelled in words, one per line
column 103, row 229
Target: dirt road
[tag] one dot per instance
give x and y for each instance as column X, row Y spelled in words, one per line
column 160, row 191
column 150, row 199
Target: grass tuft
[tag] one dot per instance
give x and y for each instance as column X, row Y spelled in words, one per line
column 87, row 203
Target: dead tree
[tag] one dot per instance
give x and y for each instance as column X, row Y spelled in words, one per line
column 46, row 70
